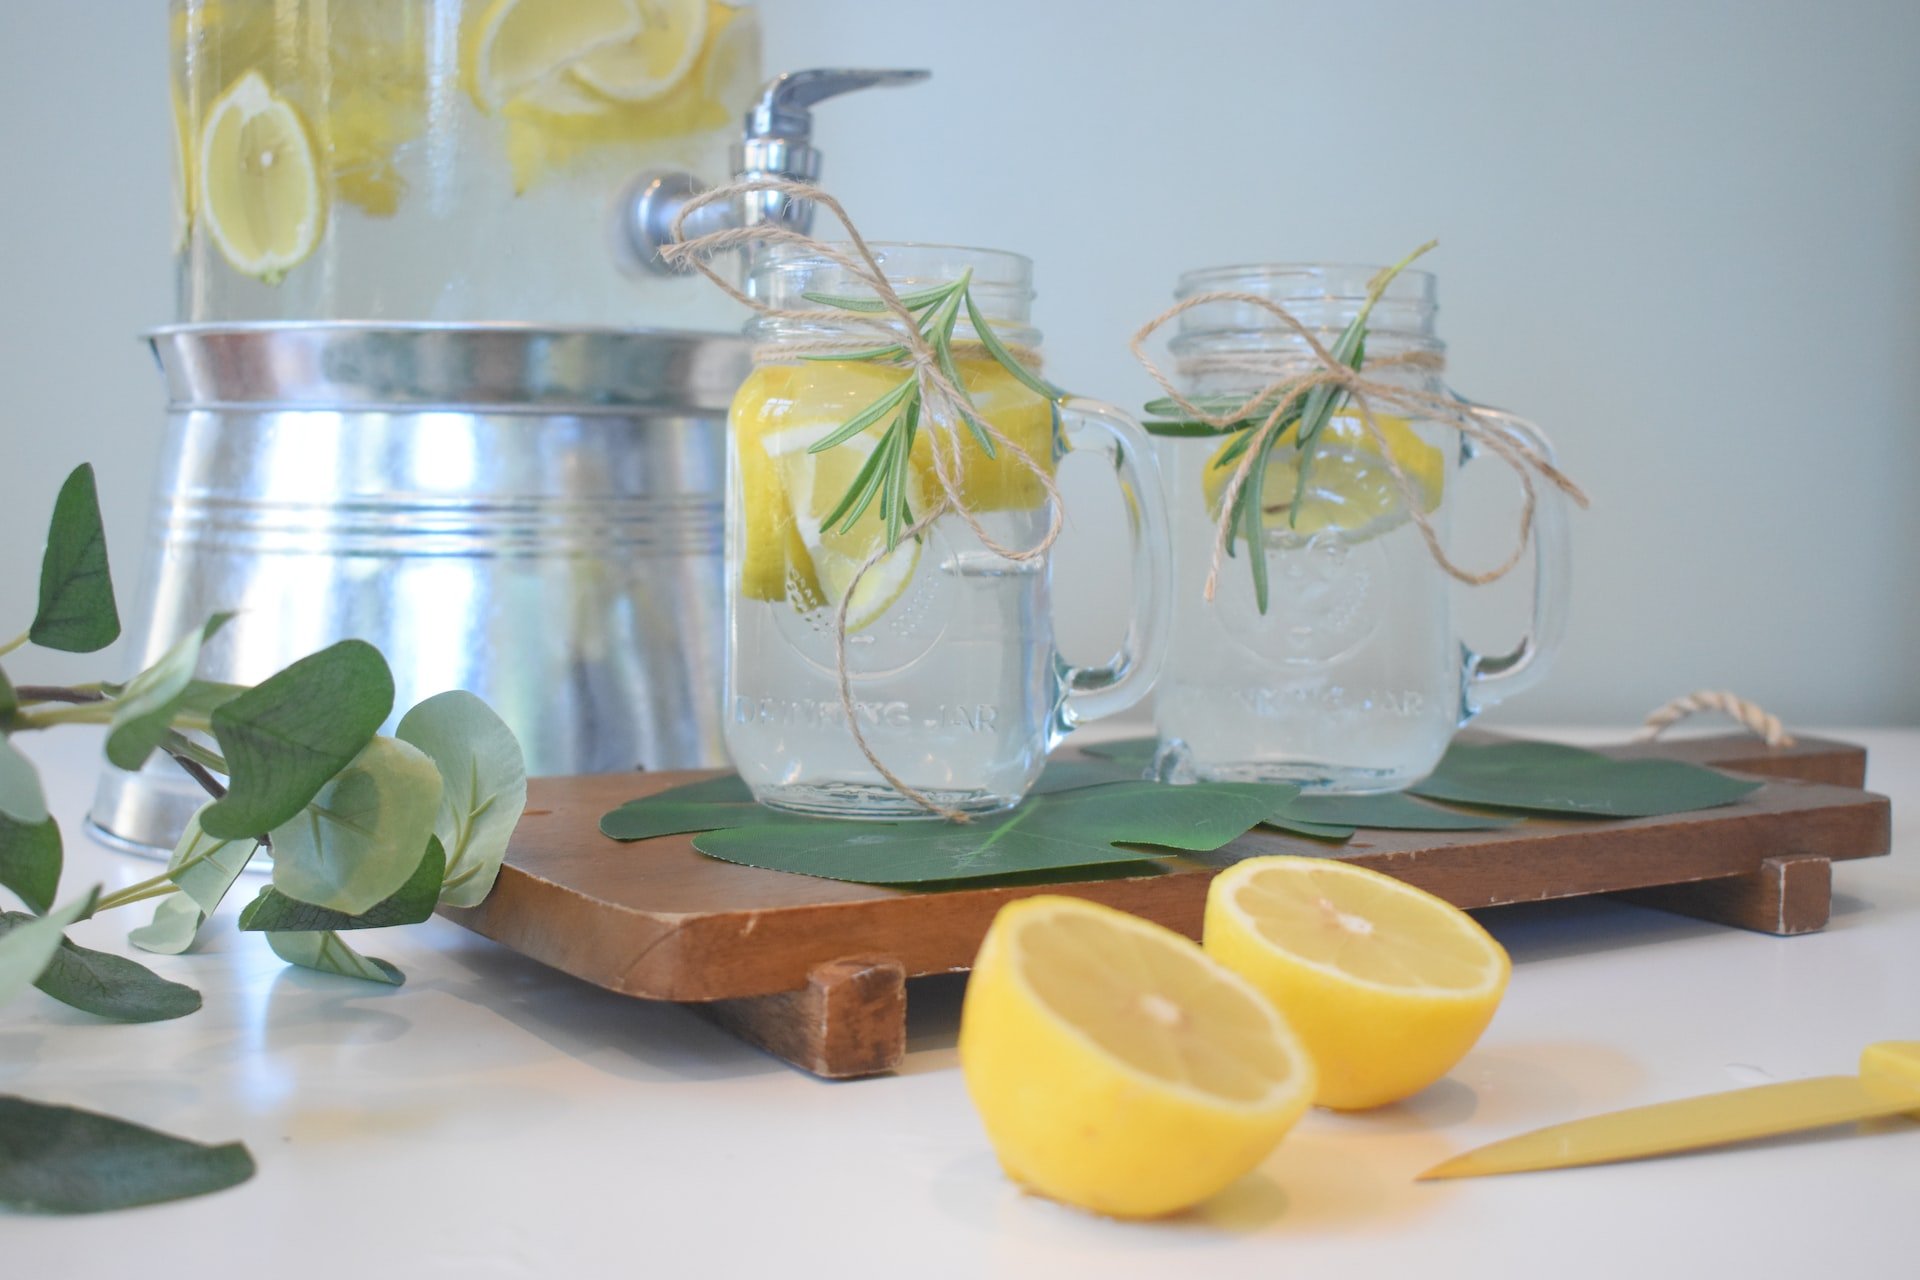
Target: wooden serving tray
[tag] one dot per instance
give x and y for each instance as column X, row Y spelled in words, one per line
column 814, row 970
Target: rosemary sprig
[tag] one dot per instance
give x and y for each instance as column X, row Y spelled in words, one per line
column 1304, row 415
column 884, row 476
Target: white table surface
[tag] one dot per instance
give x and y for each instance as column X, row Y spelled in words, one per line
column 495, row 1118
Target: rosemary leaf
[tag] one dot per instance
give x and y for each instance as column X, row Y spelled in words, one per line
column 911, row 301
column 868, row 416
column 858, row 494
column 991, row 341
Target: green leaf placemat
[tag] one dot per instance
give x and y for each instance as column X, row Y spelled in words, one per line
column 1083, row 828
column 1099, row 813
column 1390, row 811
column 1546, row 777
column 708, row 805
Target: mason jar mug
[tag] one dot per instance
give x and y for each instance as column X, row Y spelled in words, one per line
column 856, row 650
column 1353, row 677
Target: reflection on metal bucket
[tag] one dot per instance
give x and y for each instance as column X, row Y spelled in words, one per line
column 530, row 514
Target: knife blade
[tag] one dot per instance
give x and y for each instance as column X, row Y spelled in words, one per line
column 1888, row 1085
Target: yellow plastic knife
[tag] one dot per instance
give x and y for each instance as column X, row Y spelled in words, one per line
column 1888, row 1085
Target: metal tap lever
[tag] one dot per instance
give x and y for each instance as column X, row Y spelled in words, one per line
column 777, row 142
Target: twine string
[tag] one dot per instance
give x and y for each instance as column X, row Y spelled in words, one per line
column 1751, row 715
column 946, row 408
column 1367, row 390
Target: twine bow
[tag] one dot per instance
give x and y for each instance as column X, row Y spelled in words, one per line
column 947, row 408
column 1502, row 433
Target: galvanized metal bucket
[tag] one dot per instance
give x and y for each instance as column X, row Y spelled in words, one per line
column 531, row 514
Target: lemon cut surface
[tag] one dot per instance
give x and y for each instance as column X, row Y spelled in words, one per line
column 258, row 186
column 1385, row 984
column 1349, row 486
column 1116, row 1066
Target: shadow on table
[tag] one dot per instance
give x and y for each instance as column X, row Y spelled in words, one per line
column 621, row 1035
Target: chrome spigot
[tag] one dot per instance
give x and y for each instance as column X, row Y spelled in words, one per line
column 777, row 142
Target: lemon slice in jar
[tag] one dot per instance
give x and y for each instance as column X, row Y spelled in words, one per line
column 1002, row 482
column 814, row 484
column 653, row 61
column 1350, row 489
column 1118, row 1067
column 522, row 47
column 259, row 187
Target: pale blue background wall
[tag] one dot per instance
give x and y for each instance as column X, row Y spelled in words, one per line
column 1684, row 236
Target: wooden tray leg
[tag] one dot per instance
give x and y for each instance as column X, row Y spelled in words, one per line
column 1787, row 895
column 849, row 1020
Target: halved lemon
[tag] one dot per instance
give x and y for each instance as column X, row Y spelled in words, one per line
column 1349, row 486
column 1387, row 985
column 258, row 186
column 651, row 62
column 520, row 46
column 1118, row 1067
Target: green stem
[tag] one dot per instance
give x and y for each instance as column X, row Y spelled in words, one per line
column 14, row 643
column 142, row 892
column 76, row 713
column 179, row 744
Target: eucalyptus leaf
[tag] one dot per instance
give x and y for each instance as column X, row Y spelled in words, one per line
column 285, row 738
column 146, row 706
column 104, row 984
column 176, row 923
column 360, row 838
column 27, row 946
column 204, row 868
column 708, row 805
column 485, row 792
column 1545, row 777
column 410, row 904
column 327, row 952
column 1072, row 829
column 21, row 798
column 204, row 697
column 9, row 700
column 77, row 613
column 30, row 858
column 65, row 1160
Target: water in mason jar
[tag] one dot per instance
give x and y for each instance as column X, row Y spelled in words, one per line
column 948, row 642
column 443, row 160
column 1351, row 680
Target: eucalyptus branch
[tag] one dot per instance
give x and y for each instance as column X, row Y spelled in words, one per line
column 58, row 693
column 14, row 643
column 199, row 773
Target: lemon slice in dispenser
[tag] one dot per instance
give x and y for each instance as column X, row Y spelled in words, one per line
column 654, row 60
column 258, row 185
column 522, row 47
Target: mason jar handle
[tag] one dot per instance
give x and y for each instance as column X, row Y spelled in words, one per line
column 1093, row 692
column 1493, row 678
